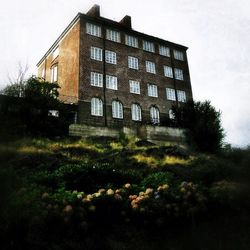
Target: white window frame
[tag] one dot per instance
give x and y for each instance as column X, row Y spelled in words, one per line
column 96, row 79
column 178, row 73
column 152, row 90
column 96, row 106
column 110, row 57
column 96, row 53
column 154, row 115
column 148, row 46
column 131, row 41
column 136, row 112
column 170, row 93
column 164, row 51
column 117, row 110
column 43, row 73
column 54, row 73
column 181, row 95
column 150, row 67
column 178, row 55
column 168, row 71
column 134, row 87
column 111, row 82
column 113, row 35
column 171, row 114
column 55, row 53
column 93, row 29
column 133, row 62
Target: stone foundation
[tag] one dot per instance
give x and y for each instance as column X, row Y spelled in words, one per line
column 156, row 134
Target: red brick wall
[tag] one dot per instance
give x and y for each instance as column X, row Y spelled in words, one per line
column 124, row 74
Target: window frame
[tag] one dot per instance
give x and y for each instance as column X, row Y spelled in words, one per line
column 152, row 90
column 96, row 106
column 148, row 46
column 110, row 57
column 136, row 112
column 93, row 29
column 181, row 96
column 163, row 49
column 133, row 62
column 167, row 70
column 154, row 115
column 96, row 53
column 178, row 55
column 131, row 41
column 132, row 87
column 111, row 82
column 117, row 109
column 150, row 67
column 170, row 94
column 54, row 73
column 96, row 76
column 178, row 74
column 113, row 35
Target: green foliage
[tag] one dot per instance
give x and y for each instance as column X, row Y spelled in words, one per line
column 203, row 125
column 156, row 179
column 15, row 90
column 62, row 186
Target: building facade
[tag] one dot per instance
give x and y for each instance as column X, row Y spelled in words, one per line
column 115, row 75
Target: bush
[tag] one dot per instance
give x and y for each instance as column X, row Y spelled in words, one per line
column 156, row 179
column 203, row 125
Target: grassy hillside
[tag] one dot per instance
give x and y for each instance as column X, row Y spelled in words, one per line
column 104, row 194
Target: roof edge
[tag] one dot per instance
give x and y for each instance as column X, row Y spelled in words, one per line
column 71, row 24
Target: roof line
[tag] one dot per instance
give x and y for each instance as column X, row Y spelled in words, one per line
column 107, row 21
column 72, row 23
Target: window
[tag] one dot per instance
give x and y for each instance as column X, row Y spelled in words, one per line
column 96, row 79
column 178, row 55
column 96, row 53
column 148, row 46
column 152, row 90
column 111, row 82
column 96, row 107
column 171, row 114
column 178, row 73
column 113, row 35
column 134, row 87
column 181, row 95
column 54, row 113
column 117, row 109
column 93, row 29
column 171, row 94
column 55, row 53
column 53, row 73
column 136, row 112
column 110, row 57
column 164, row 51
column 43, row 73
column 133, row 62
column 168, row 71
column 154, row 115
column 131, row 41
column 150, row 67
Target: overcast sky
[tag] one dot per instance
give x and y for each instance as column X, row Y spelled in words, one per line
column 217, row 33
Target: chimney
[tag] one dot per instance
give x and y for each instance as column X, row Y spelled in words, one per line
column 126, row 21
column 94, row 11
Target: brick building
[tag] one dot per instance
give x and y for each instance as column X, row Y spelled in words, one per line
column 115, row 75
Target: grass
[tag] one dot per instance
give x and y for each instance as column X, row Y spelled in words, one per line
column 63, row 168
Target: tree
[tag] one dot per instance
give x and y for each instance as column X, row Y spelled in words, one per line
column 203, row 125
column 16, row 84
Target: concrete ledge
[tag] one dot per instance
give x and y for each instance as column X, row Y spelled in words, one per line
column 156, row 134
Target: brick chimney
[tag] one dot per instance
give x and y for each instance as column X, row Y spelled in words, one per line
column 94, row 11
column 126, row 21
